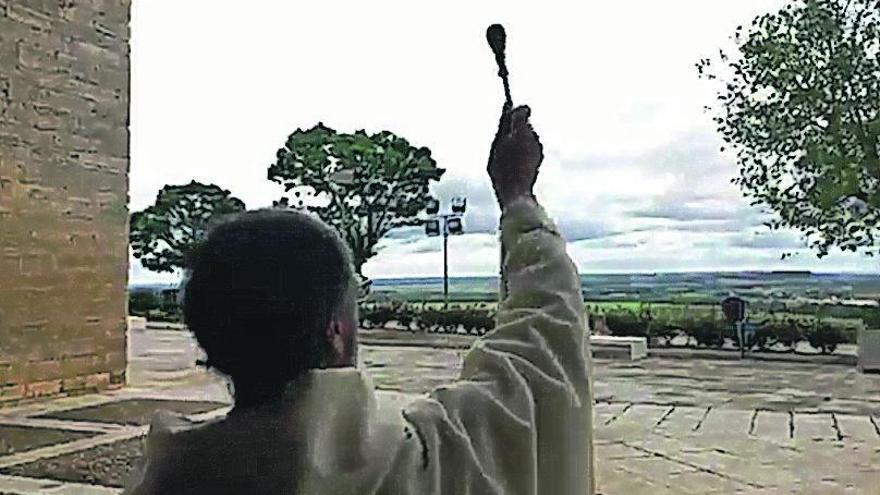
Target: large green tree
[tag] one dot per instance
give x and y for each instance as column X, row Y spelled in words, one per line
column 364, row 185
column 799, row 103
column 162, row 234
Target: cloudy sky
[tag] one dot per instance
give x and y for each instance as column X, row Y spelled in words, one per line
column 633, row 173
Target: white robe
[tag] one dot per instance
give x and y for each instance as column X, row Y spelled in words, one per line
column 517, row 421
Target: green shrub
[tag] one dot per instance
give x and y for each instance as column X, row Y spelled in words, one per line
column 426, row 319
column 169, row 301
column 825, row 337
column 381, row 315
column 790, row 333
column 871, row 318
column 627, row 324
column 141, row 302
column 706, row 331
column 375, row 315
column 476, row 319
column 451, row 319
column 403, row 314
column 663, row 330
column 437, row 320
column 762, row 339
column 786, row 332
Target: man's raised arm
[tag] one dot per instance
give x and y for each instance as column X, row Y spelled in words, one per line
column 519, row 419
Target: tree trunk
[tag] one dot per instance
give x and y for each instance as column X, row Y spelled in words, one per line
column 358, row 262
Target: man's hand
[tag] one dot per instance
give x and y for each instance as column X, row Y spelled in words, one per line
column 515, row 157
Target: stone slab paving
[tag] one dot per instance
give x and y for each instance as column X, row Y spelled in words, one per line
column 777, row 386
column 724, row 443
column 699, row 426
column 661, row 425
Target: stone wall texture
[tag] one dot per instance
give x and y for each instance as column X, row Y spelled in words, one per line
column 64, row 93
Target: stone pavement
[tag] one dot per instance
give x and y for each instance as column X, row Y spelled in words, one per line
column 662, row 425
column 698, row 426
column 649, row 448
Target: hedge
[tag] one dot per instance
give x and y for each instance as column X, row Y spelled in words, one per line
column 702, row 327
column 702, row 330
column 772, row 332
column 473, row 319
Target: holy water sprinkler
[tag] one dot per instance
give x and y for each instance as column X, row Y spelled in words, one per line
column 497, row 39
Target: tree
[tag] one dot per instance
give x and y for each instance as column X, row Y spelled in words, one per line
column 362, row 185
column 799, row 102
column 162, row 234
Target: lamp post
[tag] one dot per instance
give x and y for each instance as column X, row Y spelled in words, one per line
column 445, row 224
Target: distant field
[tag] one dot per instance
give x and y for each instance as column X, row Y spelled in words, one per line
column 693, row 288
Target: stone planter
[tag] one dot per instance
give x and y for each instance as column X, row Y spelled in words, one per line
column 869, row 350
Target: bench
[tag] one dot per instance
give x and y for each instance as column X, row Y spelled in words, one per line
column 630, row 348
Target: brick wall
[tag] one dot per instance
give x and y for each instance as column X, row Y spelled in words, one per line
column 64, row 88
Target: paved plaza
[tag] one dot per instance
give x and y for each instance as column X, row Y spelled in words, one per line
column 699, row 426
column 661, row 425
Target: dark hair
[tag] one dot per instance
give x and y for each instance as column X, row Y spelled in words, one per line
column 260, row 292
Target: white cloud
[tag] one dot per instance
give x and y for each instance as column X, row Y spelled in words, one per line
column 632, row 173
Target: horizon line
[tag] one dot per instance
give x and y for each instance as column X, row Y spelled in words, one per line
column 611, row 272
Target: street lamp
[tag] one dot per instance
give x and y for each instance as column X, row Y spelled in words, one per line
column 433, row 207
column 458, row 205
column 454, row 226
column 432, row 228
column 445, row 224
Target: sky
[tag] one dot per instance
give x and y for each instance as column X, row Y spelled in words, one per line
column 633, row 172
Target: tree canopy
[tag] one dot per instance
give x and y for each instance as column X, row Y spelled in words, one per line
column 799, row 103
column 364, row 185
column 162, row 234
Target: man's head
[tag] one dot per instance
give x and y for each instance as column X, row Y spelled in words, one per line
column 269, row 295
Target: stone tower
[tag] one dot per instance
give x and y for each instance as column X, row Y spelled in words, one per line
column 64, row 157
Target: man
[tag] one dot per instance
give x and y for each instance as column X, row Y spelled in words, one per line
column 270, row 298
